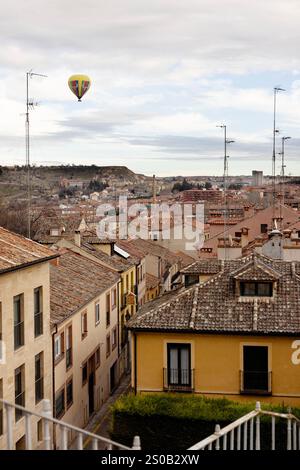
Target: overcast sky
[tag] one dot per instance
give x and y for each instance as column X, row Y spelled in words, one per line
column 164, row 74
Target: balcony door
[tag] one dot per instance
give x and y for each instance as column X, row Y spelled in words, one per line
column 179, row 364
column 256, row 369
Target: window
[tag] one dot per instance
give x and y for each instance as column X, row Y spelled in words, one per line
column 19, row 390
column 114, row 338
column 39, row 377
column 38, row 312
column 179, row 365
column 84, row 373
column 131, row 281
column 256, row 289
column 84, row 327
column 114, row 298
column 69, row 393
column 263, row 228
column 255, row 374
column 69, row 355
column 59, row 346
column 60, row 403
column 40, row 430
column 18, row 321
column 97, row 357
column 127, row 283
column 97, row 313
column 107, row 310
column 107, row 345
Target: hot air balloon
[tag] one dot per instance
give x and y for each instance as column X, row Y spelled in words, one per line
column 79, row 85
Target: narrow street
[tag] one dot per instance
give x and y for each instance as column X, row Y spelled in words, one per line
column 100, row 422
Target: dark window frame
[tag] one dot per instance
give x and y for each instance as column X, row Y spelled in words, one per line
column 256, row 285
column 179, row 346
column 38, row 313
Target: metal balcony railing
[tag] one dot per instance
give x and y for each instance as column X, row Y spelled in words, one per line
column 256, row 382
column 178, row 379
column 245, row 433
column 48, row 421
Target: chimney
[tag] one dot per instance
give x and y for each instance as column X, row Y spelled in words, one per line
column 77, row 238
column 244, row 236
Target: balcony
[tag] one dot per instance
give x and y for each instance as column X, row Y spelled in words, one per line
column 124, row 300
column 178, row 380
column 256, row 382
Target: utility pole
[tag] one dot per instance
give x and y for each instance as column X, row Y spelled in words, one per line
column 276, row 90
column 29, row 106
column 225, row 179
column 283, row 139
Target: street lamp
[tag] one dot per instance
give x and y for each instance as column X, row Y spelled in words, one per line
column 29, row 106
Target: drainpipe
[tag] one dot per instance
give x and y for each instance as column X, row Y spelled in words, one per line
column 135, row 362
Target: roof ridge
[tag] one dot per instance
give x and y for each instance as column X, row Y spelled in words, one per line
column 194, row 308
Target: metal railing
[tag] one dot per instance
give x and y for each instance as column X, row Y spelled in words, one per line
column 178, row 379
column 256, row 382
column 48, row 421
column 245, row 432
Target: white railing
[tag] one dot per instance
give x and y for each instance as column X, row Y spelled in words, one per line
column 245, row 433
column 48, row 421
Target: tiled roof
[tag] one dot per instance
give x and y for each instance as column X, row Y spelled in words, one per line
column 253, row 224
column 151, row 281
column 203, row 266
column 17, row 251
column 215, row 306
column 74, row 282
column 115, row 262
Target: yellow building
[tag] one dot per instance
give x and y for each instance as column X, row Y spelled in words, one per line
column 237, row 334
column 25, row 339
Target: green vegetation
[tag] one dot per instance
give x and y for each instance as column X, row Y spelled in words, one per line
column 168, row 421
column 192, row 407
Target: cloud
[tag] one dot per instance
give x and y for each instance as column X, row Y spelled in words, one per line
column 164, row 73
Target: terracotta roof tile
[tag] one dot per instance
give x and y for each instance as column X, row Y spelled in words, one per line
column 214, row 306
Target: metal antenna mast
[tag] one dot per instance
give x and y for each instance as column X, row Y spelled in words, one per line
column 225, row 176
column 283, row 139
column 275, row 131
column 29, row 106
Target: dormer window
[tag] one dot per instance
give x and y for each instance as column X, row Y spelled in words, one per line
column 256, row 289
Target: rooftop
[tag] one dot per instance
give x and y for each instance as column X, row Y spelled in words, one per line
column 74, row 282
column 17, row 252
column 215, row 306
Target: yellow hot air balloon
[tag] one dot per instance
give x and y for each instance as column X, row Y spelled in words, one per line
column 79, row 85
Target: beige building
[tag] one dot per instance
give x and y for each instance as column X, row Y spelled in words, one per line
column 84, row 320
column 26, row 353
